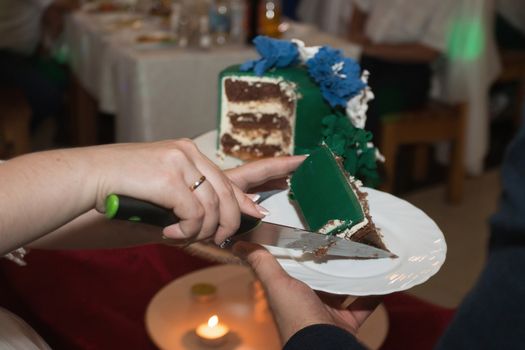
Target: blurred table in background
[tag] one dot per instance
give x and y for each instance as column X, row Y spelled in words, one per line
column 156, row 90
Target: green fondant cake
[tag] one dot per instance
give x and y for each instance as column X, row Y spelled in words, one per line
column 330, row 199
column 293, row 98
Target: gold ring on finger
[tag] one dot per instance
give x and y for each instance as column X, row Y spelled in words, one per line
column 197, row 183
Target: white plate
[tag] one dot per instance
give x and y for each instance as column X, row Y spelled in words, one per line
column 407, row 231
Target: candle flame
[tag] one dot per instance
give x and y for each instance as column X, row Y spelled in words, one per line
column 213, row 321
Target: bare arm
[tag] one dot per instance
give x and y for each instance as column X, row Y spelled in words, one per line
column 51, row 197
column 43, row 191
column 39, row 193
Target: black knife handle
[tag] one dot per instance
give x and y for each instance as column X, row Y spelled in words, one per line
column 136, row 210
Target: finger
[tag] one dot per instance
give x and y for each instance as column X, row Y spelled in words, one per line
column 247, row 205
column 190, row 212
column 261, row 171
column 185, row 204
column 228, row 210
column 264, row 264
column 274, row 184
column 228, row 207
column 294, row 305
column 209, row 200
column 362, row 307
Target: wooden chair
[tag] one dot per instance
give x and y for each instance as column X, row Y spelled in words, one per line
column 434, row 123
column 15, row 118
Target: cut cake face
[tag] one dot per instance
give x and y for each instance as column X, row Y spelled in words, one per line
column 276, row 114
column 257, row 116
column 330, row 200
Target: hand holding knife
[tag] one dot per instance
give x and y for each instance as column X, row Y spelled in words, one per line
column 251, row 229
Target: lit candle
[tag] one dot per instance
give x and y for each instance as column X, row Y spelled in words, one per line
column 213, row 333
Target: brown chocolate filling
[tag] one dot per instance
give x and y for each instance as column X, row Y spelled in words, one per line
column 266, row 121
column 249, row 152
column 242, row 91
column 369, row 234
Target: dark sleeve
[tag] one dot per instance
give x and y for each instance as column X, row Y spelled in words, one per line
column 322, row 336
column 492, row 316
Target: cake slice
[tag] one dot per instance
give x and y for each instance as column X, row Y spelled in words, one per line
column 330, row 199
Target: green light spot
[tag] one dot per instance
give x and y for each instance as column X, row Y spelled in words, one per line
column 134, row 218
column 466, row 39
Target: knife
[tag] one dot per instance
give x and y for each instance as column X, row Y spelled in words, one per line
column 251, row 230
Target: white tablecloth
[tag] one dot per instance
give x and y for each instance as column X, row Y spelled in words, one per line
column 158, row 92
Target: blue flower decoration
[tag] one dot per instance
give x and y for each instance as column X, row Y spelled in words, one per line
column 339, row 78
column 274, row 54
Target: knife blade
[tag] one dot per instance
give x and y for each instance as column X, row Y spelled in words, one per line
column 250, row 230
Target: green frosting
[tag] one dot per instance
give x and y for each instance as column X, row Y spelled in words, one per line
column 351, row 143
column 311, row 106
column 323, row 193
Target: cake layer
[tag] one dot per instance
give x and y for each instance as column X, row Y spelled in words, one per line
column 238, row 90
column 262, row 136
column 266, row 121
column 266, row 106
column 249, row 151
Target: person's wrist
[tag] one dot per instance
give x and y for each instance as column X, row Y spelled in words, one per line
column 93, row 174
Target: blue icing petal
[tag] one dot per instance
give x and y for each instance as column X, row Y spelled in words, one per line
column 248, row 65
column 337, row 76
column 274, row 54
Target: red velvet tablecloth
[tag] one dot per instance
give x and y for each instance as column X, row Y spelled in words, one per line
column 97, row 299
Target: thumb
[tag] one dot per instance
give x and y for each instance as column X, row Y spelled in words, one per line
column 261, row 171
column 293, row 304
column 264, row 264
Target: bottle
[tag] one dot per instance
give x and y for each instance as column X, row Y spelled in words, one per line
column 269, row 18
column 238, row 21
column 220, row 21
column 205, row 39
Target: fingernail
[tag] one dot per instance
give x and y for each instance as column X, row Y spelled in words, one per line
column 254, row 197
column 262, row 210
column 174, row 232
